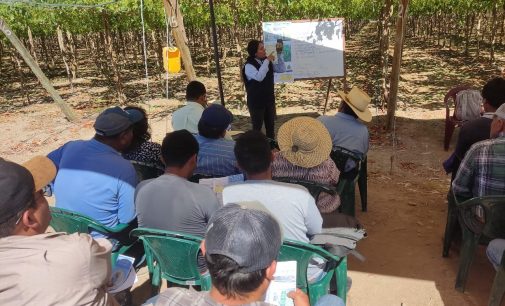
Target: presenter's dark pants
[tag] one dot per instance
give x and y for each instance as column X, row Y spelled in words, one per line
column 263, row 114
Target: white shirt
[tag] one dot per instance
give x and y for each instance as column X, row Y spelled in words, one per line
column 254, row 74
column 292, row 205
column 187, row 117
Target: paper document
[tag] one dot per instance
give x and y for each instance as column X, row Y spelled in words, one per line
column 217, row 184
column 123, row 274
column 284, row 281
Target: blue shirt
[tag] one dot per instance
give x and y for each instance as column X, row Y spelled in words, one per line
column 216, row 157
column 94, row 180
column 347, row 132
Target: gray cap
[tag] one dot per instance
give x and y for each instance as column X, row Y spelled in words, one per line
column 115, row 120
column 500, row 112
column 252, row 238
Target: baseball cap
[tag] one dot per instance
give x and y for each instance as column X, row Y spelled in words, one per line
column 216, row 117
column 251, row 237
column 115, row 120
column 19, row 182
column 500, row 112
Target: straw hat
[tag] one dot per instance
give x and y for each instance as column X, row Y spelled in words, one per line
column 304, row 141
column 358, row 100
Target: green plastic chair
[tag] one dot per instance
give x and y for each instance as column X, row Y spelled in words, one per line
column 347, row 182
column 475, row 229
column 302, row 253
column 146, row 171
column 172, row 256
column 314, row 188
column 70, row 222
column 498, row 288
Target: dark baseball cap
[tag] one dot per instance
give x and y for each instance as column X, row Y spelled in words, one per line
column 216, row 117
column 251, row 237
column 115, row 120
column 19, row 182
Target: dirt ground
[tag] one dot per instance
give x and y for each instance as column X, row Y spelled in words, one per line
column 406, row 183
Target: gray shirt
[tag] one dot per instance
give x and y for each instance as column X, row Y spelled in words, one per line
column 172, row 203
column 347, row 132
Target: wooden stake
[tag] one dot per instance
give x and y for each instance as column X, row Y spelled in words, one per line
column 173, row 12
column 397, row 59
column 327, row 96
column 67, row 110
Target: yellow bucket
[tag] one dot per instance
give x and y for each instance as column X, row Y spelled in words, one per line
column 172, row 59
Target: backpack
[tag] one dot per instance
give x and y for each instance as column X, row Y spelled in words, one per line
column 468, row 105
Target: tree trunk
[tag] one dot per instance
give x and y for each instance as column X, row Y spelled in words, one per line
column 113, row 58
column 478, row 34
column 63, row 52
column 493, row 30
column 387, row 12
column 32, row 46
column 172, row 9
column 397, row 59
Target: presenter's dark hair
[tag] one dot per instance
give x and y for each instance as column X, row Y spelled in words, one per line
column 178, row 147
column 252, row 47
column 194, row 90
column 229, row 280
column 253, row 153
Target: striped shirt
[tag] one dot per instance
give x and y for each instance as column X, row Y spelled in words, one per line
column 325, row 173
column 216, row 157
column 482, row 171
column 185, row 297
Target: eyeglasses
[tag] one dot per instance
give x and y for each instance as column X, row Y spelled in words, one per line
column 47, row 191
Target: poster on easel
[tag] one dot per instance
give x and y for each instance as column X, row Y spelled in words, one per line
column 308, row 49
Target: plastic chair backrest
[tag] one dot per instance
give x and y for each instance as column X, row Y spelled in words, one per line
column 302, row 253
column 146, row 171
column 468, row 105
column 493, row 216
column 451, row 95
column 314, row 188
column 70, row 222
column 341, row 156
column 174, row 254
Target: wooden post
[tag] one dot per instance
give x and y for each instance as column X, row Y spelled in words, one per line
column 327, row 96
column 397, row 59
column 216, row 51
column 67, row 110
column 173, row 12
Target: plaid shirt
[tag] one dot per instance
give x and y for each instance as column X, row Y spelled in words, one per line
column 185, row 297
column 216, row 157
column 482, row 171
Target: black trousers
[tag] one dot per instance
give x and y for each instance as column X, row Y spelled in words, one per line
column 264, row 114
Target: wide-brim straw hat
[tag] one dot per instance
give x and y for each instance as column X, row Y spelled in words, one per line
column 304, row 141
column 358, row 101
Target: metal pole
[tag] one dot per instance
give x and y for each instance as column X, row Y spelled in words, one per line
column 216, row 52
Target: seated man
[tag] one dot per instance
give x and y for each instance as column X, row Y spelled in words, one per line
column 345, row 129
column 482, row 171
column 216, row 156
column 241, row 265
column 187, row 117
column 93, row 178
column 38, row 268
column 291, row 204
column 170, row 202
column 493, row 94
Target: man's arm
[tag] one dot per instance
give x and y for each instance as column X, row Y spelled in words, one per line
column 254, row 74
column 463, row 183
column 313, row 219
column 126, row 193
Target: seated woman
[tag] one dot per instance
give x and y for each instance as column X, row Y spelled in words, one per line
column 305, row 147
column 141, row 149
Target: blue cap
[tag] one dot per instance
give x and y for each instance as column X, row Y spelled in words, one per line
column 216, row 117
column 115, row 120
